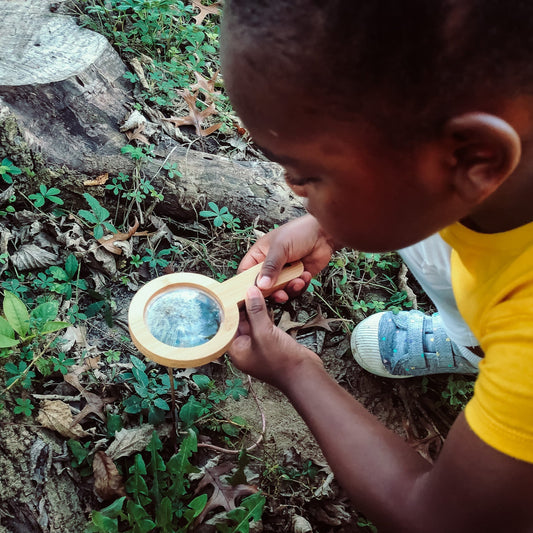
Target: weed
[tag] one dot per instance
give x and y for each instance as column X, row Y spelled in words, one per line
column 97, row 217
column 44, row 194
column 169, row 506
column 458, row 391
column 8, row 170
column 220, row 217
column 23, row 407
column 63, row 280
column 149, row 390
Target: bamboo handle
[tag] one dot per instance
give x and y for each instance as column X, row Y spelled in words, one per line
column 234, row 289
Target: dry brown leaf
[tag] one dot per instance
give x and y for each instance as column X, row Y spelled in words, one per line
column 108, row 482
column 130, row 441
column 320, row 321
column 136, row 135
column 108, row 241
column 100, row 180
column 213, row 9
column 207, row 85
column 223, row 495
column 95, row 404
column 56, row 415
column 286, row 324
column 195, row 117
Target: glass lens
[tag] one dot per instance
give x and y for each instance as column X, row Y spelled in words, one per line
column 183, row 317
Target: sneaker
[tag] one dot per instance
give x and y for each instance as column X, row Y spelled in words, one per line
column 409, row 344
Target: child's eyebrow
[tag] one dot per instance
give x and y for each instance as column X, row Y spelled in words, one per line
column 282, row 159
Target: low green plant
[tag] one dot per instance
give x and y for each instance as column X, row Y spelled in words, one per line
column 44, row 194
column 458, row 391
column 149, row 391
column 25, row 337
column 23, row 407
column 63, row 280
column 20, row 325
column 8, row 170
column 220, row 217
column 97, row 217
column 169, row 505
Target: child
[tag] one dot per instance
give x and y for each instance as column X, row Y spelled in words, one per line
column 396, row 121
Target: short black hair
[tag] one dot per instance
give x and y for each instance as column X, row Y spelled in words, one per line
column 414, row 61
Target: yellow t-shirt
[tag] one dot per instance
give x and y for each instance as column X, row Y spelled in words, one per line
column 492, row 279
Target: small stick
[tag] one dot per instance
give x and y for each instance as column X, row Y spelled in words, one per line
column 173, row 436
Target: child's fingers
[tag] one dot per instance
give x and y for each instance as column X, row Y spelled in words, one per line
column 244, row 326
column 239, row 350
column 256, row 310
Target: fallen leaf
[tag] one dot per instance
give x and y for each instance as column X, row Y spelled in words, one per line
column 95, row 404
column 56, row 415
column 213, row 9
column 100, row 180
column 286, row 324
column 301, row 525
column 108, row 241
column 33, row 257
column 195, row 117
column 130, row 441
column 108, row 482
column 207, row 85
column 136, row 135
column 320, row 321
column 223, row 495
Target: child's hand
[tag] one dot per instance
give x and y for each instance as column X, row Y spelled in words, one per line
column 262, row 349
column 301, row 239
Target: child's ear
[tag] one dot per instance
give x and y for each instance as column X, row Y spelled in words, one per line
column 484, row 150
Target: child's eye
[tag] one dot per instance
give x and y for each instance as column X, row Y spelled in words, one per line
column 298, row 182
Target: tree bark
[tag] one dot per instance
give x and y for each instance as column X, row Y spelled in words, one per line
column 63, row 98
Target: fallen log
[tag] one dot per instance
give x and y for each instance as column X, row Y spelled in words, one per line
column 63, row 99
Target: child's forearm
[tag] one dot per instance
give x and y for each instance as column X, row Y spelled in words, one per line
column 374, row 465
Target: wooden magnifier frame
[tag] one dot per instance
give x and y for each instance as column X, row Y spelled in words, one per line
column 228, row 295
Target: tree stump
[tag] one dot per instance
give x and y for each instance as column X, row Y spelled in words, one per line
column 63, row 95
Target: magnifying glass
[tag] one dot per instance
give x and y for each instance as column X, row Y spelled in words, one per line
column 186, row 320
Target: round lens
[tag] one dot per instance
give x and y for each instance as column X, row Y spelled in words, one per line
column 183, row 317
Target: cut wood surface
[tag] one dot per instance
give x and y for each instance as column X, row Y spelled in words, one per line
column 64, row 87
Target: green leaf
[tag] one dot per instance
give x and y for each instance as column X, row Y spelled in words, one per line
column 202, row 381
column 178, row 465
column 159, row 402
column 88, row 216
column 7, row 342
column 45, row 312
column 5, row 329
column 50, row 327
column 113, row 510
column 251, row 509
column 16, row 313
column 58, row 273
column 163, row 514
column 71, row 266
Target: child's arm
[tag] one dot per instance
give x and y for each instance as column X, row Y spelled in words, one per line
column 301, row 239
column 471, row 488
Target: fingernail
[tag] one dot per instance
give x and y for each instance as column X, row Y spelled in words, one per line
column 253, row 292
column 264, row 282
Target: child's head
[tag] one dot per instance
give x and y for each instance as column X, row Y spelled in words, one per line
column 361, row 94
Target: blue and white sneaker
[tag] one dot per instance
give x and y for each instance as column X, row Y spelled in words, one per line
column 409, row 344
